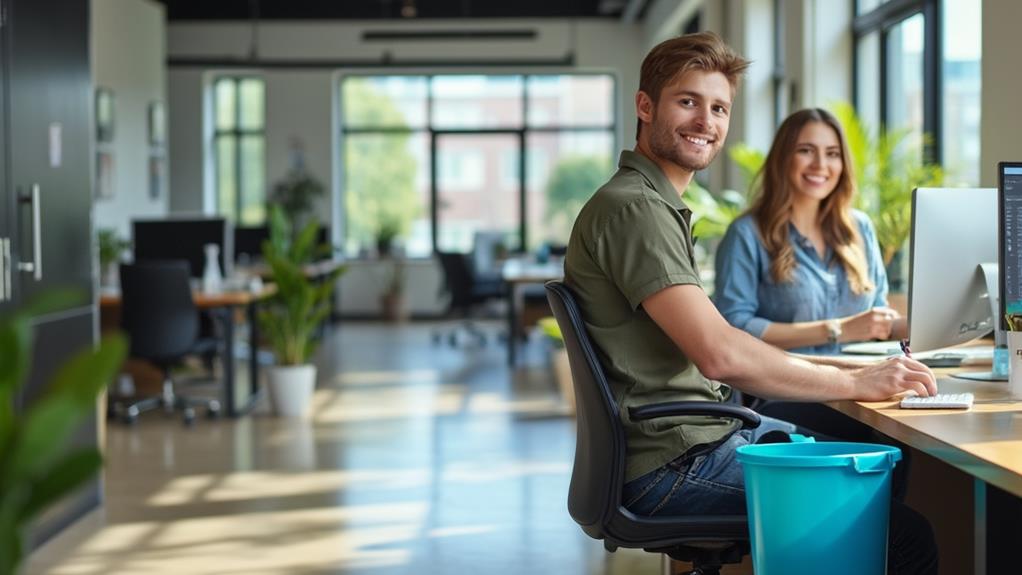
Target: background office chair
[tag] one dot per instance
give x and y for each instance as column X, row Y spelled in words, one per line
column 467, row 292
column 162, row 324
column 597, row 478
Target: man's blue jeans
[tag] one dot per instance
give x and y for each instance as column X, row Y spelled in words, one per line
column 711, row 483
column 708, row 483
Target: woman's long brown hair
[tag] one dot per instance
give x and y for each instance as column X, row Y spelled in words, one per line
column 771, row 209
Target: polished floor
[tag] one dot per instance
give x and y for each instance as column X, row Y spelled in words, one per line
column 417, row 458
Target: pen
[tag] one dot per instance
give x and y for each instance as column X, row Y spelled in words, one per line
column 904, row 348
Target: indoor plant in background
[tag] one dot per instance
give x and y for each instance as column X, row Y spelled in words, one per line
column 111, row 247
column 887, row 168
column 37, row 467
column 291, row 318
column 296, row 194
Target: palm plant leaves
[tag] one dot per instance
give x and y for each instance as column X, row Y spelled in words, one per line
column 35, row 467
column 291, row 317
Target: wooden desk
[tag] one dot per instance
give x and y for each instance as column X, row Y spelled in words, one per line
column 517, row 272
column 985, row 443
column 235, row 403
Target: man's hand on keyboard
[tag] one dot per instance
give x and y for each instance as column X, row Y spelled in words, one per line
column 893, row 376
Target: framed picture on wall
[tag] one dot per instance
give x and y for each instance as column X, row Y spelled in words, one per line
column 104, row 174
column 157, row 123
column 104, row 115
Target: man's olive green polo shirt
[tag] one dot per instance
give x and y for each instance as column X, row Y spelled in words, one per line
column 631, row 240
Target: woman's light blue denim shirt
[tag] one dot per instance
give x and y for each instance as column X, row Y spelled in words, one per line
column 749, row 298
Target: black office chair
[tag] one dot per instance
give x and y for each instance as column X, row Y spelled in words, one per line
column 597, row 478
column 467, row 291
column 162, row 323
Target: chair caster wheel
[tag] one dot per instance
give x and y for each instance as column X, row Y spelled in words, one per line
column 213, row 410
column 130, row 415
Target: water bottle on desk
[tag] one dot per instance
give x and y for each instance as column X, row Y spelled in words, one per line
column 212, row 279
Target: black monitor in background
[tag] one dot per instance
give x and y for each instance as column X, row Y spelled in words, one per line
column 184, row 239
column 248, row 241
column 1009, row 245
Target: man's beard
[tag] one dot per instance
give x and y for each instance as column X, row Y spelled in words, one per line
column 663, row 142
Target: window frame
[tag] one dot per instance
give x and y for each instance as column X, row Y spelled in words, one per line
column 521, row 132
column 881, row 20
column 236, row 134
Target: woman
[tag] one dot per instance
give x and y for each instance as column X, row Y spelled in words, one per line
column 801, row 269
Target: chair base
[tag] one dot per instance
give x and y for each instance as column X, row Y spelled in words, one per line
column 466, row 327
column 706, row 559
column 170, row 401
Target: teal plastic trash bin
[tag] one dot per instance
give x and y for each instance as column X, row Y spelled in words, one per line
column 818, row 508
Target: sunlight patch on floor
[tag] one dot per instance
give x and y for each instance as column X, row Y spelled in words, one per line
column 250, row 485
column 272, row 542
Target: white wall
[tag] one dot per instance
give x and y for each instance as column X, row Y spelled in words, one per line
column 1001, row 122
column 300, row 96
column 128, row 57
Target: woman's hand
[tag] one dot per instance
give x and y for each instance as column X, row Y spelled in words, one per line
column 873, row 323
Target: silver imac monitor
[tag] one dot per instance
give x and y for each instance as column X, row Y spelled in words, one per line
column 953, row 259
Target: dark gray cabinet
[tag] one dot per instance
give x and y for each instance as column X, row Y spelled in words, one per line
column 46, row 198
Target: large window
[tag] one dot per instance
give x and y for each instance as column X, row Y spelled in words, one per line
column 441, row 158
column 239, row 149
column 917, row 69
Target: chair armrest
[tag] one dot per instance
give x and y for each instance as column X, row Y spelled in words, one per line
column 749, row 418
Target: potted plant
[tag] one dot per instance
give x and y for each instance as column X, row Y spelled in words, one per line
column 37, row 468
column 111, row 247
column 392, row 300
column 297, row 192
column 887, row 168
column 293, row 315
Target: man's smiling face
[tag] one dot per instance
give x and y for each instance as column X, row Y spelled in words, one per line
column 691, row 119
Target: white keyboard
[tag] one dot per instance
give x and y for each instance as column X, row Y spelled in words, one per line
column 939, row 401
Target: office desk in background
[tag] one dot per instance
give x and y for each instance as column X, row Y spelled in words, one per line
column 985, row 445
column 516, row 273
column 235, row 403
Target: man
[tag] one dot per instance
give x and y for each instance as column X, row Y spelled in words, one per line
column 630, row 261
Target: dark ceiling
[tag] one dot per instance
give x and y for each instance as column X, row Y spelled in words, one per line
column 389, row 9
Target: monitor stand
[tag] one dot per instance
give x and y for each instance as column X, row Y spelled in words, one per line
column 990, row 276
column 980, row 376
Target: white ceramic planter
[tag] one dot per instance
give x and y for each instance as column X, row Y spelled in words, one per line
column 291, row 389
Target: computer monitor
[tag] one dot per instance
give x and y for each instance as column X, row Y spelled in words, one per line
column 1009, row 209
column 184, row 239
column 248, row 241
column 954, row 231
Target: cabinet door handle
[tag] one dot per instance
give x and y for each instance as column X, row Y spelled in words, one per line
column 5, row 269
column 34, row 267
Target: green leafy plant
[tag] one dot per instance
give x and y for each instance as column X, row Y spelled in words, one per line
column 36, row 466
column 712, row 214
column 292, row 316
column 572, row 182
column 296, row 195
column 111, row 246
column 887, row 168
column 549, row 327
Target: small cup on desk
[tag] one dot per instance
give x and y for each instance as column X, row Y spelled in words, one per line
column 1015, row 363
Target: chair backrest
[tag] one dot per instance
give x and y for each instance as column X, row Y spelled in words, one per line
column 597, row 476
column 458, row 278
column 157, row 310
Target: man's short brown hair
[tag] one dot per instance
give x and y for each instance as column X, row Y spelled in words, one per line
column 704, row 51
